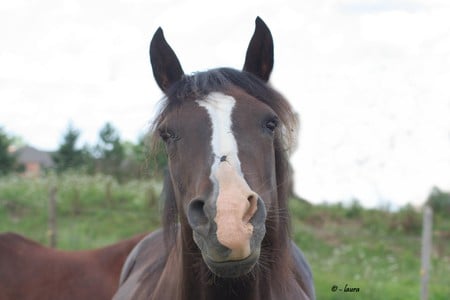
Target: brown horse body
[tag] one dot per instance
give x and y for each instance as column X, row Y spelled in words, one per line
column 30, row 271
column 225, row 235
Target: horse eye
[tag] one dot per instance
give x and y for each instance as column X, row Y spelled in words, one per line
column 271, row 124
column 166, row 135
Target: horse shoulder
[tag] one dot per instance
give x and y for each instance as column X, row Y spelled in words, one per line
column 129, row 263
column 143, row 268
column 111, row 259
column 302, row 271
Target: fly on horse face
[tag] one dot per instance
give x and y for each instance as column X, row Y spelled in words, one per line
column 30, row 271
column 225, row 232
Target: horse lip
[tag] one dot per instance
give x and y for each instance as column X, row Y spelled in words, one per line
column 229, row 260
column 233, row 268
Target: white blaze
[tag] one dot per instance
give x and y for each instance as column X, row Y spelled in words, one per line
column 236, row 202
column 223, row 142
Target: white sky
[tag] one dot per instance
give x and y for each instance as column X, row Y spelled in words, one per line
column 370, row 80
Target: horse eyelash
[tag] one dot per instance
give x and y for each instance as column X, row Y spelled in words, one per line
column 167, row 134
column 271, row 123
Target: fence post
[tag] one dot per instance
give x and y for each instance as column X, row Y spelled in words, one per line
column 426, row 251
column 150, row 196
column 77, row 207
column 108, row 193
column 52, row 228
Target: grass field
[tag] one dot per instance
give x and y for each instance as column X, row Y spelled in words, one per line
column 375, row 251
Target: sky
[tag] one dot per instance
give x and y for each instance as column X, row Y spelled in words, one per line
column 369, row 79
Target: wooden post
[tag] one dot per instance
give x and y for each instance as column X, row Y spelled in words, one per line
column 150, row 195
column 108, row 194
column 426, row 251
column 76, row 202
column 52, row 228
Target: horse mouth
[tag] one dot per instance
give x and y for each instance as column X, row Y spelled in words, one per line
column 232, row 268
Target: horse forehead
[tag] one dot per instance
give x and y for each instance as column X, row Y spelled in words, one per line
column 220, row 108
column 223, row 109
column 218, row 102
column 228, row 114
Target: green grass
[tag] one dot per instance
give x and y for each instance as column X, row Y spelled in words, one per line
column 91, row 211
column 374, row 250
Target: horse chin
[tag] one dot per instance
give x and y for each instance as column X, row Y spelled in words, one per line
column 233, row 268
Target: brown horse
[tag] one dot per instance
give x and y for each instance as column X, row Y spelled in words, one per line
column 225, row 232
column 30, row 271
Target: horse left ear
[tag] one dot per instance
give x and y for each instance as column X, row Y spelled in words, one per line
column 166, row 67
column 259, row 57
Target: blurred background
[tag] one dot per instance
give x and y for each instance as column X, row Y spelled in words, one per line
column 369, row 80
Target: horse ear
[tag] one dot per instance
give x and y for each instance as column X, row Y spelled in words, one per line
column 166, row 67
column 259, row 57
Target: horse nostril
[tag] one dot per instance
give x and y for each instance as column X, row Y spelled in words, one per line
column 252, row 201
column 251, row 198
column 196, row 213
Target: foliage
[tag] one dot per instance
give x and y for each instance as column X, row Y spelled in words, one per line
column 68, row 156
column 110, row 151
column 363, row 251
column 439, row 202
column 7, row 160
column 408, row 220
column 355, row 210
column 92, row 211
column 112, row 156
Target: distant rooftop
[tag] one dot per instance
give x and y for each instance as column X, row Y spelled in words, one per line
column 28, row 154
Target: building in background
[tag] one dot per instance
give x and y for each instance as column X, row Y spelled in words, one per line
column 33, row 162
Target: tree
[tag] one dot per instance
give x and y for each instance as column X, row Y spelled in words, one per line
column 110, row 150
column 7, row 160
column 68, row 156
column 439, row 201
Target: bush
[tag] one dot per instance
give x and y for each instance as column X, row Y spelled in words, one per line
column 407, row 220
column 355, row 210
column 439, row 201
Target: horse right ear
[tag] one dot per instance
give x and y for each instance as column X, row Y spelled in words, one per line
column 259, row 57
column 166, row 67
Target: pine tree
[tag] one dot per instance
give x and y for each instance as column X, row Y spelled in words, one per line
column 68, row 156
column 7, row 160
column 110, row 150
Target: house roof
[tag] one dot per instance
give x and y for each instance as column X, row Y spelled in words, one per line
column 28, row 154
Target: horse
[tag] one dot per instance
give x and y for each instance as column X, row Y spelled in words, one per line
column 226, row 230
column 31, row 271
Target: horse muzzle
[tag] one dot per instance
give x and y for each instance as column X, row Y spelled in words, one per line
column 235, row 252
column 229, row 227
